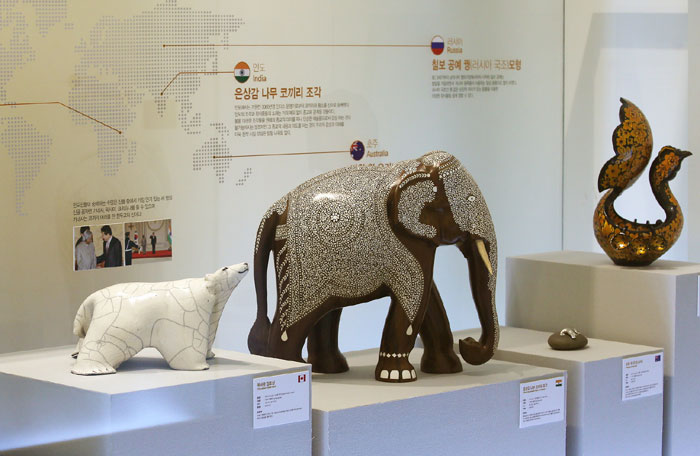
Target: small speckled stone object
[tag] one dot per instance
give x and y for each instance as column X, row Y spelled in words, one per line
column 567, row 339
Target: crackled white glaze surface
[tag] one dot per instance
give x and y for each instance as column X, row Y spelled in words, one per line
column 178, row 318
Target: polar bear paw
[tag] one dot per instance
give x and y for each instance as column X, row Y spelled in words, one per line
column 91, row 367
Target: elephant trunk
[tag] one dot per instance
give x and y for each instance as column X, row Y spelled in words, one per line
column 482, row 258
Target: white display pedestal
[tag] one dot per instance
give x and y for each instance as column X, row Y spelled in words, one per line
column 598, row 421
column 146, row 408
column 473, row 412
column 655, row 305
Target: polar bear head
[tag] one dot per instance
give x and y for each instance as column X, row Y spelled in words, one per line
column 224, row 280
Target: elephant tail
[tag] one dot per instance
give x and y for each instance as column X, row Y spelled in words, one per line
column 258, row 336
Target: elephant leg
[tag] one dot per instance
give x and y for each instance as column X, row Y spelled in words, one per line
column 393, row 365
column 288, row 344
column 324, row 354
column 438, row 355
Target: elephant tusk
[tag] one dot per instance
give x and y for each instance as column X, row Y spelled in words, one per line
column 484, row 256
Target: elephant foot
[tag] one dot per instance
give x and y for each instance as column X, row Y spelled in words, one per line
column 394, row 368
column 440, row 362
column 328, row 363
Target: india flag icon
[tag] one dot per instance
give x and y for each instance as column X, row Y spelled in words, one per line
column 241, row 72
column 437, row 45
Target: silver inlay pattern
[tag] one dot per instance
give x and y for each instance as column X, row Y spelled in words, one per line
column 436, row 158
column 281, row 233
column 339, row 241
column 341, row 244
column 411, row 203
column 279, row 206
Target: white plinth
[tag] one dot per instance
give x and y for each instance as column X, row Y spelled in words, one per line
column 655, row 305
column 598, row 421
column 146, row 408
column 473, row 412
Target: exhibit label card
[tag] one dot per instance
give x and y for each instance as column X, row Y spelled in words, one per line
column 642, row 376
column 281, row 399
column 542, row 401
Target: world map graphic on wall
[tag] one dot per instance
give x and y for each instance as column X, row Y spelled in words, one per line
column 121, row 64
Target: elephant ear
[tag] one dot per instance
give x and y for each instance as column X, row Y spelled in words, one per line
column 411, row 194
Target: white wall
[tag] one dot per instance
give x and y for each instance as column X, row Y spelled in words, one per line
column 636, row 50
column 511, row 141
column 693, row 213
column 110, row 62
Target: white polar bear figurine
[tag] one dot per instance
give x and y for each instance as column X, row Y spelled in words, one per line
column 178, row 318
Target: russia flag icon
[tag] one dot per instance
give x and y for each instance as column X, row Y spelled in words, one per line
column 437, row 45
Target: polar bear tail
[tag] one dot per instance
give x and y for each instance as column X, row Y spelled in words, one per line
column 83, row 317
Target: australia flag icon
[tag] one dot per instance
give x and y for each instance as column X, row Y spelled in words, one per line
column 357, row 150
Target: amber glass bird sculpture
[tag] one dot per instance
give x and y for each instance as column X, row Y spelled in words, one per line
column 631, row 243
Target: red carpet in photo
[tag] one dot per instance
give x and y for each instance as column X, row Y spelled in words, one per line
column 158, row 254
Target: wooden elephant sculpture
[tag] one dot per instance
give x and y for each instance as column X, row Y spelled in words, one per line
column 368, row 231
